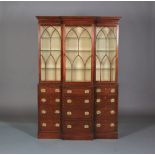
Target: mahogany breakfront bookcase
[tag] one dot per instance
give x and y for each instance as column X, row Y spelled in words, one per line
column 78, row 68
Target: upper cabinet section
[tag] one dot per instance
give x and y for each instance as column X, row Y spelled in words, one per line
column 78, row 49
column 50, row 53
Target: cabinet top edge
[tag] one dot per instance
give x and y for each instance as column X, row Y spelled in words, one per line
column 79, row 17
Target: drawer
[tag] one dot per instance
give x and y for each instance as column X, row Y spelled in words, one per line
column 106, row 90
column 105, row 127
column 106, row 99
column 71, row 91
column 49, row 112
column 47, row 99
column 44, row 89
column 74, row 113
column 77, row 127
column 106, row 113
column 49, row 125
column 77, row 101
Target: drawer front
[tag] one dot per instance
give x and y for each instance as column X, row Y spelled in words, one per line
column 77, row 127
column 70, row 101
column 74, row 113
column 48, row 99
column 52, row 90
column 106, row 100
column 106, row 113
column 71, row 91
column 49, row 125
column 105, row 126
column 49, row 112
column 107, row 89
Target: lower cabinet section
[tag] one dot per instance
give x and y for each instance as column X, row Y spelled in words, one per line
column 77, row 112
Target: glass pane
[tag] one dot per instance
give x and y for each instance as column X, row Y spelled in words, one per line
column 50, row 53
column 106, row 44
column 78, row 53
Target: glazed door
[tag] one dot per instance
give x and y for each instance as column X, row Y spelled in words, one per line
column 106, row 54
column 50, row 53
column 78, row 54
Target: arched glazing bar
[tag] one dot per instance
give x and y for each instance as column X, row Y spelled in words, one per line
column 78, row 55
column 50, row 53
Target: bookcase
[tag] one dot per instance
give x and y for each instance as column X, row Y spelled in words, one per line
column 78, row 77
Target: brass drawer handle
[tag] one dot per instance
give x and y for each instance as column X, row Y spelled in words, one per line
column 69, row 91
column 86, row 126
column 112, row 100
column 69, row 126
column 98, row 100
column 69, row 113
column 57, row 90
column 42, row 90
column 112, row 124
column 57, row 112
column 43, row 111
column 69, row 101
column 98, row 90
column 112, row 112
column 86, row 91
column 57, row 100
column 57, row 125
column 98, row 125
column 86, row 113
column 86, row 101
column 98, row 112
column 44, row 125
column 112, row 90
column 43, row 100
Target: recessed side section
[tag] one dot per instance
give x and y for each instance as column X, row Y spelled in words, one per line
column 49, row 110
column 106, row 110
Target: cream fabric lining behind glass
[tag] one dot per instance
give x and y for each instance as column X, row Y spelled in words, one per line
column 106, row 43
column 50, row 53
column 78, row 53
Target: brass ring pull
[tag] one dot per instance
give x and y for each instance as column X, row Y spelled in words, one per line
column 44, row 124
column 57, row 100
column 112, row 100
column 69, row 113
column 98, row 125
column 86, row 126
column 57, row 125
column 69, row 91
column 86, row 91
column 69, row 126
column 98, row 90
column 69, row 101
column 43, row 100
column 86, row 101
column 57, row 90
column 43, row 111
column 98, row 112
column 98, row 100
column 42, row 90
column 112, row 112
column 112, row 124
column 57, row 112
column 112, row 90
column 86, row 113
